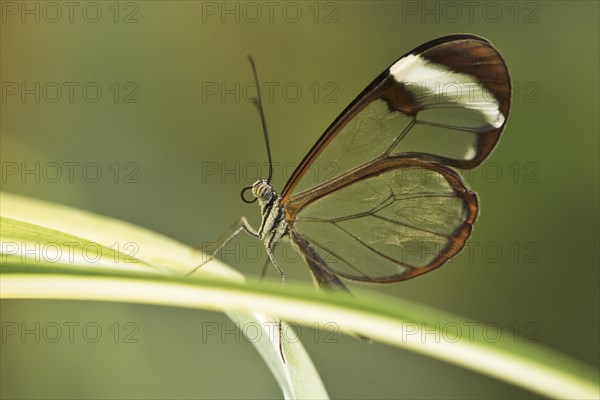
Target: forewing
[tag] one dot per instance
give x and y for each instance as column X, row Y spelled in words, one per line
column 389, row 221
column 446, row 101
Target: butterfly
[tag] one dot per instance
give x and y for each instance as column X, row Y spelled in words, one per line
column 394, row 207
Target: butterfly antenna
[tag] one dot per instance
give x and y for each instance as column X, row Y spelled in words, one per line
column 259, row 106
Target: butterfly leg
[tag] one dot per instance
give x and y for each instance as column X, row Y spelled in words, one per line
column 280, row 325
column 241, row 225
column 263, row 273
column 271, row 258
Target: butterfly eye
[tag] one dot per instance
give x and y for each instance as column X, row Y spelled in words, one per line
column 262, row 190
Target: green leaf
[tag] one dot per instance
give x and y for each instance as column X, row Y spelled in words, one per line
column 382, row 318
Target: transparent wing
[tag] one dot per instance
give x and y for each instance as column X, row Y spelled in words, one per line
column 389, row 221
column 447, row 101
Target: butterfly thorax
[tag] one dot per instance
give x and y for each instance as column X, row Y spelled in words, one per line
column 273, row 225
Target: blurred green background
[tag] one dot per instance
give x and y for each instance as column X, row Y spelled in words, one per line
column 175, row 139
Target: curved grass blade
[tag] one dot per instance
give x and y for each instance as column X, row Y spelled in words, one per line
column 382, row 318
column 42, row 229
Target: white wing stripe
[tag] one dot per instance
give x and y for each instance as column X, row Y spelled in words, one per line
column 438, row 80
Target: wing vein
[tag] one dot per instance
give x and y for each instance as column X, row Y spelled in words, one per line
column 319, row 245
column 391, row 221
column 453, row 127
column 375, row 250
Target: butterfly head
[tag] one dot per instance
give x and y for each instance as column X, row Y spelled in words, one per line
column 262, row 190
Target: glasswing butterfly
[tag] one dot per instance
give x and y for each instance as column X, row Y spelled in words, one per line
column 395, row 207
